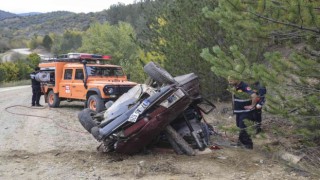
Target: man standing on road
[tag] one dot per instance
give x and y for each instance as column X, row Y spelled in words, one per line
column 36, row 88
column 244, row 102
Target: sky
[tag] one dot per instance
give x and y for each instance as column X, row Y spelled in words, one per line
column 43, row 6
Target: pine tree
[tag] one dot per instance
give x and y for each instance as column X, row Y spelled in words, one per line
column 47, row 42
column 177, row 32
column 291, row 75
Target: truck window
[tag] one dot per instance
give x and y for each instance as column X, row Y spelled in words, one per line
column 79, row 74
column 104, row 71
column 68, row 74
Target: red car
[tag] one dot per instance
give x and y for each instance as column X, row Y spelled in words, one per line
column 166, row 109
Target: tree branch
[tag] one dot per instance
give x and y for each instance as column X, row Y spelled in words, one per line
column 276, row 21
column 287, row 24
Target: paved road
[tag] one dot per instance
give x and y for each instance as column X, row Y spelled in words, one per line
column 7, row 56
column 24, row 51
column 14, row 88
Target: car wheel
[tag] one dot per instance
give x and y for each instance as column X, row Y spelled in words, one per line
column 174, row 145
column 179, row 141
column 95, row 103
column 86, row 119
column 158, row 74
column 53, row 99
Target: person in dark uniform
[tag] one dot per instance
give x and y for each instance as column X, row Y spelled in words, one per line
column 260, row 90
column 244, row 102
column 36, row 88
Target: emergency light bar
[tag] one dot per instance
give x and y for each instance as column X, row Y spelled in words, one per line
column 88, row 56
column 76, row 57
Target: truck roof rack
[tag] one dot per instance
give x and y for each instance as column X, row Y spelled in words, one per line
column 79, row 57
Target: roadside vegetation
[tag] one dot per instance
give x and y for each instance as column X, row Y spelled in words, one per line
column 275, row 42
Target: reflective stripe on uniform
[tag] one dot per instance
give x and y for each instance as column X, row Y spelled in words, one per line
column 242, row 100
column 241, row 111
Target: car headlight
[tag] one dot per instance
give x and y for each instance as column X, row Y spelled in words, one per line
column 108, row 90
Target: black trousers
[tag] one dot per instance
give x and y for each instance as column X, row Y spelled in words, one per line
column 257, row 116
column 36, row 94
column 244, row 137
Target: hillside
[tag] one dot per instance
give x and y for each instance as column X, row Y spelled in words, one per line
column 23, row 27
column 5, row 15
column 41, row 24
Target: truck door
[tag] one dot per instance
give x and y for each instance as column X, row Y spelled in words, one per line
column 78, row 89
column 65, row 88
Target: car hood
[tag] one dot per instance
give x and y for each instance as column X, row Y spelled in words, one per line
column 111, row 82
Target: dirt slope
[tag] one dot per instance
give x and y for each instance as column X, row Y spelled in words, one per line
column 44, row 143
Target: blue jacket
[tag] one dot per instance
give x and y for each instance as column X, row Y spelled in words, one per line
column 242, row 98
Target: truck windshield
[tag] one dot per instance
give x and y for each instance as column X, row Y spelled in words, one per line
column 104, row 71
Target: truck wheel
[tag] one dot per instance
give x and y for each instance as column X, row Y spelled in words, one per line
column 158, row 74
column 86, row 119
column 95, row 103
column 53, row 99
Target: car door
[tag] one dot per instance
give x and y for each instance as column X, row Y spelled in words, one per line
column 65, row 88
column 78, row 89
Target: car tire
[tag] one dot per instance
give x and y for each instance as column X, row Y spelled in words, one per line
column 174, row 145
column 53, row 99
column 183, row 145
column 86, row 119
column 95, row 103
column 158, row 73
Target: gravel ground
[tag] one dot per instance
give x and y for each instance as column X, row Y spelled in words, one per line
column 47, row 143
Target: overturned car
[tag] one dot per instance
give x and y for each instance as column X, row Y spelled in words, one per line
column 166, row 109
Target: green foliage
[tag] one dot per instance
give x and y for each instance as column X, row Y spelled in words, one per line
column 10, row 70
column 47, row 42
column 3, row 73
column 71, row 41
column 56, row 44
column 19, row 68
column 177, row 30
column 35, row 41
column 33, row 59
column 117, row 41
column 23, row 70
column 4, row 45
column 292, row 74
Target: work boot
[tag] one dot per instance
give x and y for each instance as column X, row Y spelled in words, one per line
column 241, row 145
column 39, row 105
column 245, row 139
column 248, row 146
